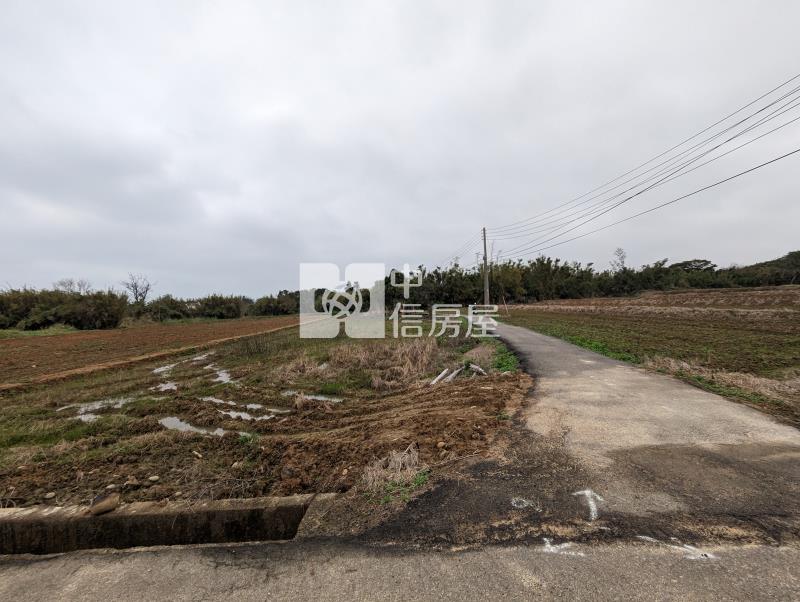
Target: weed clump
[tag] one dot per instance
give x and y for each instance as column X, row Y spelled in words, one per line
column 395, row 476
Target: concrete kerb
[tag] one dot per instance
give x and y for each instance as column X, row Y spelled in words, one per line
column 55, row 529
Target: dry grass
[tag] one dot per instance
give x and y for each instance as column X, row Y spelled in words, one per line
column 399, row 468
column 768, row 387
column 390, row 365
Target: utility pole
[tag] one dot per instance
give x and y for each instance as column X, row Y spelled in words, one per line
column 485, row 272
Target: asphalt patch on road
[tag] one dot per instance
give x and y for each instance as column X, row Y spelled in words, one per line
column 727, row 494
column 525, row 495
column 746, row 493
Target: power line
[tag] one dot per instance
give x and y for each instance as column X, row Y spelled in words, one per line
column 519, row 230
column 658, row 156
column 599, row 208
column 680, row 198
column 471, row 243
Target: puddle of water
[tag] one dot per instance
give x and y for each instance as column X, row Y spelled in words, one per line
column 249, row 406
column 258, row 406
column 167, row 368
column 86, row 410
column 246, row 415
column 176, row 424
column 219, row 401
column 168, row 386
column 314, row 397
column 223, row 376
column 202, row 356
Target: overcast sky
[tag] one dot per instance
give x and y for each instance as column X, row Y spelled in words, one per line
column 215, row 145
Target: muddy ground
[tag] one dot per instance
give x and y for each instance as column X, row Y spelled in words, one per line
column 271, row 415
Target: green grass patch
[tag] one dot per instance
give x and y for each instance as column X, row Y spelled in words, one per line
column 728, row 390
column 15, row 333
column 603, row 349
column 394, row 490
column 42, row 432
column 504, row 359
column 332, row 388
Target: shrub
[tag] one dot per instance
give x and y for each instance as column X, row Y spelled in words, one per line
column 285, row 303
column 29, row 309
column 168, row 307
column 221, row 306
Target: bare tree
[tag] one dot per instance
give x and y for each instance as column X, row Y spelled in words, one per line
column 618, row 263
column 84, row 286
column 138, row 286
column 66, row 285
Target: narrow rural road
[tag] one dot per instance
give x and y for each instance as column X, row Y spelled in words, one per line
column 651, row 455
column 662, row 450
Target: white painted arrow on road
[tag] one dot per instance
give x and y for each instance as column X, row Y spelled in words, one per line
column 591, row 500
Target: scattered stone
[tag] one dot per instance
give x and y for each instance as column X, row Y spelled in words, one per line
column 104, row 503
column 344, row 472
column 177, row 494
column 111, row 487
column 131, row 482
column 154, row 479
column 197, row 454
column 236, row 464
column 49, row 495
column 441, row 444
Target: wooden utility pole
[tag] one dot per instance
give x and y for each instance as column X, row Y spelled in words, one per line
column 485, row 272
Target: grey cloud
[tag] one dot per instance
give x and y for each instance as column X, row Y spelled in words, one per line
column 216, row 146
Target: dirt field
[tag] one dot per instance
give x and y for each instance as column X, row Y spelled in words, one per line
column 265, row 415
column 741, row 343
column 24, row 359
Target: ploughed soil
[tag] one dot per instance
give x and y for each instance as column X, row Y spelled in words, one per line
column 321, row 447
column 29, row 358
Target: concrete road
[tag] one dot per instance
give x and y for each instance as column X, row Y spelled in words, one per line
column 654, row 444
column 658, row 456
column 306, row 571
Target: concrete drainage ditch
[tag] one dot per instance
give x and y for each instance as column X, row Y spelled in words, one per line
column 54, row 529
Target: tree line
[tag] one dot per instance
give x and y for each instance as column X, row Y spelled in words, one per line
column 546, row 278
column 76, row 304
